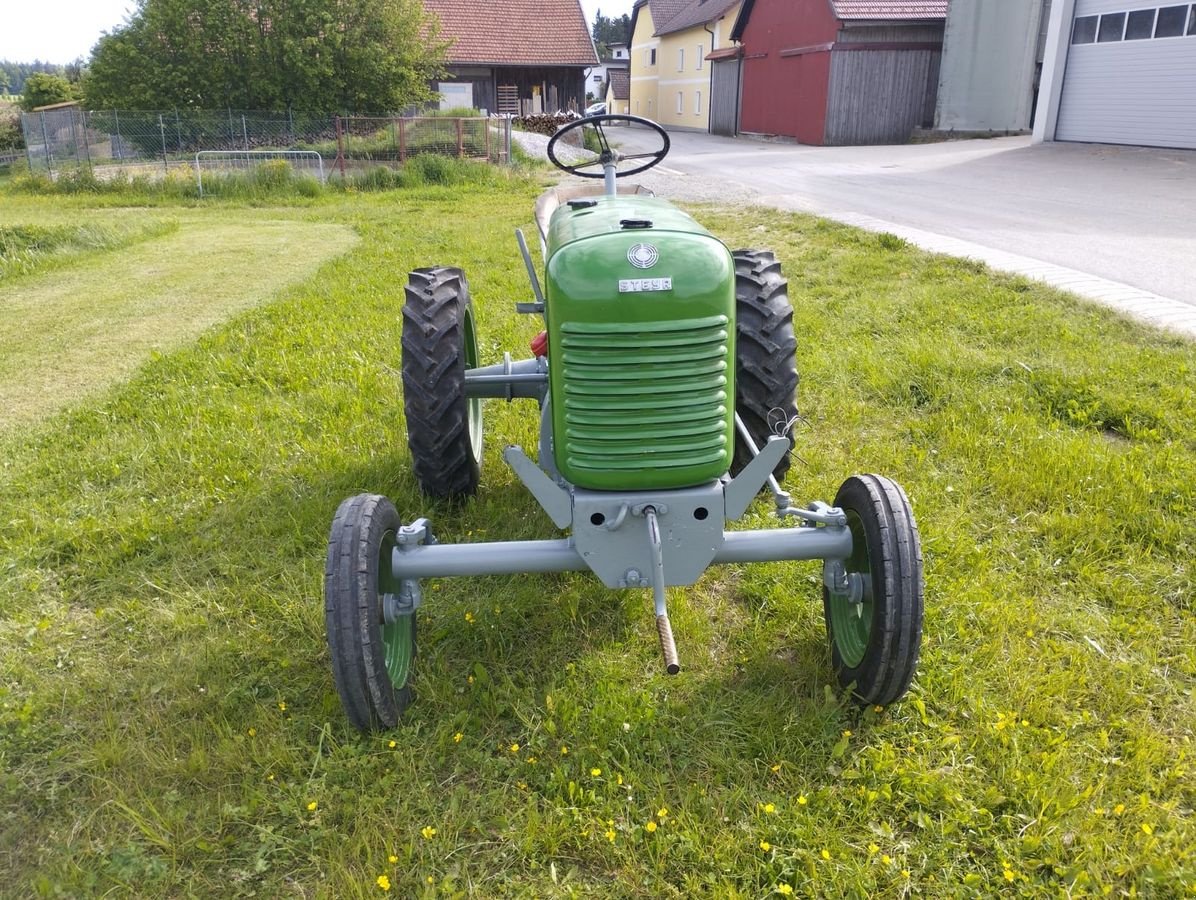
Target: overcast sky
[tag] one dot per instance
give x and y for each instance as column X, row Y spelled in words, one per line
column 59, row 31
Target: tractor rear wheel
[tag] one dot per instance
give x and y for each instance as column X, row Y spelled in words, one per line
column 372, row 659
column 444, row 426
column 875, row 628
column 765, row 354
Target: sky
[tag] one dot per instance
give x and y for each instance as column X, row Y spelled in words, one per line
column 59, row 31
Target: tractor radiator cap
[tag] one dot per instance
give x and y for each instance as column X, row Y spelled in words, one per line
column 635, row 223
column 582, row 204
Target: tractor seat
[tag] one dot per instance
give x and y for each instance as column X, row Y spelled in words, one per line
column 547, row 203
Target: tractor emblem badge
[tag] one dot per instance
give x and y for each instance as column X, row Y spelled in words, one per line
column 643, row 256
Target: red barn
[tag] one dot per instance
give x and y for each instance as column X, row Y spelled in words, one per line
column 839, row 71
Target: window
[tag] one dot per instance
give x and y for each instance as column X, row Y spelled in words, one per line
column 1112, row 26
column 1084, row 31
column 701, row 53
column 1140, row 25
column 680, row 102
column 652, row 57
column 698, row 103
column 681, row 59
column 1171, row 21
column 598, row 78
column 1192, row 22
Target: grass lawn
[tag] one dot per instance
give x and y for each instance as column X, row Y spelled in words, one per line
column 168, row 720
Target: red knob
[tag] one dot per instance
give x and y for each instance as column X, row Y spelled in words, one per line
column 540, row 344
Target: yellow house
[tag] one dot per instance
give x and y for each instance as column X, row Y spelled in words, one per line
column 670, row 74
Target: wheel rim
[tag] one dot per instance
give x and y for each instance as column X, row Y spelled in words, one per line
column 851, row 623
column 474, row 412
column 398, row 637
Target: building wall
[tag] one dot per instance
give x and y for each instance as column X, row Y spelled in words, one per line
column 786, row 68
column 565, row 84
column 684, row 72
column 644, row 72
column 880, row 96
column 989, row 65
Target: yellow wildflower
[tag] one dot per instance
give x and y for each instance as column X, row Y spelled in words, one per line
column 282, row 706
column 428, row 832
column 311, row 807
column 769, row 808
column 886, row 859
column 514, row 748
column 393, row 744
column 1118, row 809
column 1009, row 875
column 595, row 772
column 1147, row 828
column 619, row 779
column 384, row 882
column 765, row 846
column 662, row 812
column 650, row 827
column 457, row 737
column 784, row 889
column 847, row 733
column 610, row 835
column 873, row 849
column 826, row 854
column 392, row 859
column 252, row 732
column 531, row 760
column 469, row 617
column 430, row 880
column 776, row 767
column 564, row 751
column 802, row 801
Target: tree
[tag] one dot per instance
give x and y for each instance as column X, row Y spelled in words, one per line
column 366, row 56
column 42, row 90
column 607, row 31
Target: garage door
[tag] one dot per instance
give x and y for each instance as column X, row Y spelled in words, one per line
column 1131, row 75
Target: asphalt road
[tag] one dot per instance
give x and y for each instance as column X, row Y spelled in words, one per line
column 1125, row 214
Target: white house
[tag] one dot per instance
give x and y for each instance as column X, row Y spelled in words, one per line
column 599, row 75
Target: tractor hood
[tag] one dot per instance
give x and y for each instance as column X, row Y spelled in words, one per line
column 640, row 304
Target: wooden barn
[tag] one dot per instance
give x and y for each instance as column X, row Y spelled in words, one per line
column 515, row 56
column 839, row 71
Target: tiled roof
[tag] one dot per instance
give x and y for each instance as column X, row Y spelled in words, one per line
column 515, row 32
column 696, row 12
column 620, row 84
column 664, row 11
column 890, row 9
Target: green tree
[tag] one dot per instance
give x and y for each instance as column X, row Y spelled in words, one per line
column 368, row 56
column 41, row 90
column 607, row 31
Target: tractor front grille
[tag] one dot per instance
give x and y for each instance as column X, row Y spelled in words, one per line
column 649, row 397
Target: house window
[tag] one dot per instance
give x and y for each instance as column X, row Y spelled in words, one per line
column 1084, row 31
column 701, row 53
column 680, row 102
column 1140, row 25
column 681, row 59
column 1112, row 27
column 652, row 57
column 698, row 103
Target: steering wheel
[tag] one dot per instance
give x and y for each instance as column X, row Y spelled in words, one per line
column 607, row 154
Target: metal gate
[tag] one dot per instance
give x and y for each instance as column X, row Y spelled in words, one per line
column 725, row 86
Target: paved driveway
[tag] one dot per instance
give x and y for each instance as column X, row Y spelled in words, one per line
column 1114, row 223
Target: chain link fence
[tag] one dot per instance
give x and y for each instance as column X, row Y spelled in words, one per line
column 108, row 141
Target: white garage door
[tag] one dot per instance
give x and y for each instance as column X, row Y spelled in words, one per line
column 1131, row 75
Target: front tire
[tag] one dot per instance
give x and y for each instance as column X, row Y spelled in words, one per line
column 875, row 642
column 444, row 426
column 372, row 660
column 765, row 354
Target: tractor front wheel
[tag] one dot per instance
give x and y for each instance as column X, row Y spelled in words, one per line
column 765, row 354
column 444, row 426
column 372, row 659
column 874, row 619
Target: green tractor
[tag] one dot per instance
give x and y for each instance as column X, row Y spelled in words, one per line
column 666, row 382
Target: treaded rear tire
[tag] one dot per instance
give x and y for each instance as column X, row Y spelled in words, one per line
column 443, row 425
column 884, row 643
column 362, row 536
column 765, row 352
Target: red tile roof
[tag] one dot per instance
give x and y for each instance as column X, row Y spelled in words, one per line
column 620, row 84
column 696, row 12
column 890, row 9
column 515, row 32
